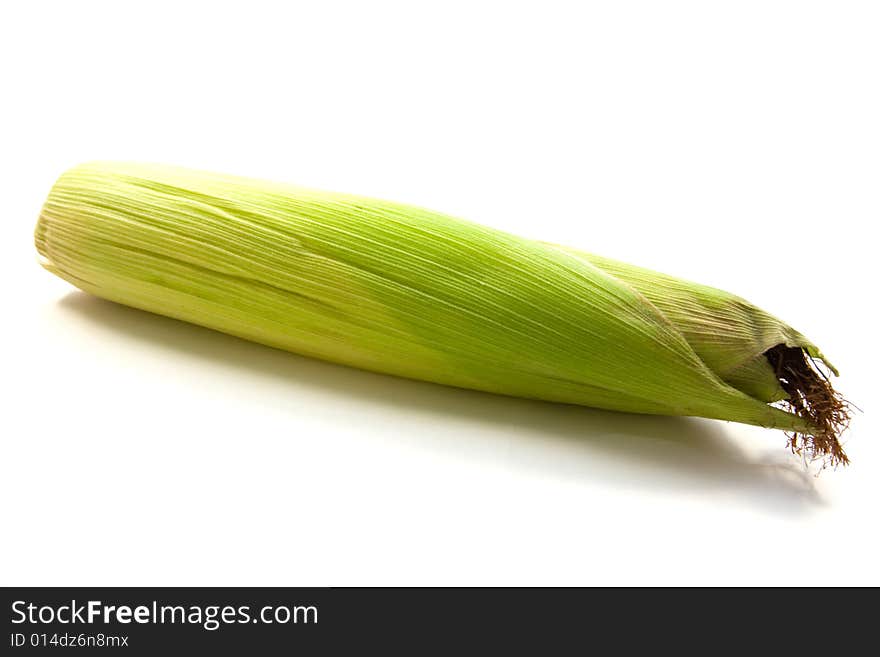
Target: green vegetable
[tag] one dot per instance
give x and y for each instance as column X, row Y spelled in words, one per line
column 415, row 293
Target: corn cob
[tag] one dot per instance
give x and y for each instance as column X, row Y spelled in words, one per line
column 406, row 291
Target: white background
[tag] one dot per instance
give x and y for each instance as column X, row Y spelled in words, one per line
column 735, row 143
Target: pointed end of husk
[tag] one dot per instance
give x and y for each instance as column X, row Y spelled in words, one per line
column 812, row 398
column 814, row 353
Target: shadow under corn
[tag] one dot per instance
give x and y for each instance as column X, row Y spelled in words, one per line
column 621, row 450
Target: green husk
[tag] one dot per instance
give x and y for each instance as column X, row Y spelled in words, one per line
column 727, row 332
column 410, row 292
